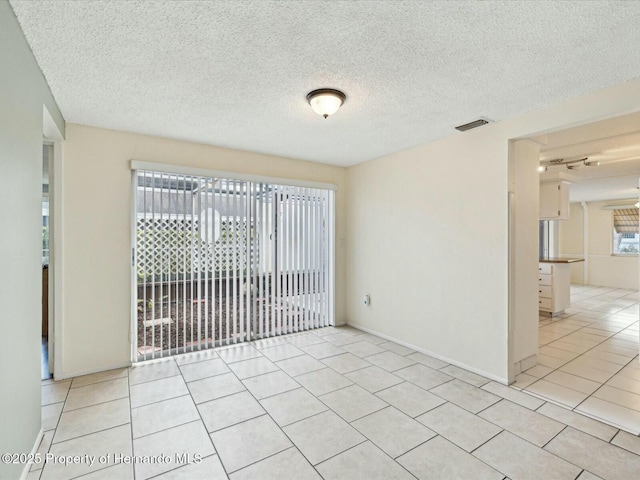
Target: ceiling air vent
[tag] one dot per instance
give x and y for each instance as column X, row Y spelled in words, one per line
column 470, row 125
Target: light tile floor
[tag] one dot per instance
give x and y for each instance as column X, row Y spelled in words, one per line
column 588, row 358
column 334, row 403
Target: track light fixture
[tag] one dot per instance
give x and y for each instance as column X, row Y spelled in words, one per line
column 569, row 164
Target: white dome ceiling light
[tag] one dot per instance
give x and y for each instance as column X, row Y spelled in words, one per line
column 326, row 101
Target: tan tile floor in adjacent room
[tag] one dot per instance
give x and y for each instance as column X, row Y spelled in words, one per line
column 588, row 357
column 335, row 403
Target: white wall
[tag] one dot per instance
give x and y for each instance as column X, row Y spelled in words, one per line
column 604, row 269
column 23, row 91
column 97, row 231
column 427, row 235
column 571, row 240
column 524, row 183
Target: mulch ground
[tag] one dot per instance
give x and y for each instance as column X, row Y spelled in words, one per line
column 186, row 327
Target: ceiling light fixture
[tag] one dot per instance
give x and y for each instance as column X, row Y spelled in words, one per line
column 326, row 101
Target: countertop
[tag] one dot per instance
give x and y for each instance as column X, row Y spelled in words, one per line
column 560, row 260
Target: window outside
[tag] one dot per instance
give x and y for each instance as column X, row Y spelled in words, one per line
column 625, row 232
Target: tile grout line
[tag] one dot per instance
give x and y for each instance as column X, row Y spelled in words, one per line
column 55, row 429
column 292, row 447
column 91, row 433
column 281, row 428
column 604, row 421
column 505, row 429
column 367, row 439
column 368, row 414
column 133, row 467
column 277, row 426
column 601, row 384
column 528, row 441
column 562, row 458
column 204, row 426
column 614, row 436
column 486, row 441
column 608, row 340
column 542, row 448
column 418, row 446
column 475, row 449
column 97, row 382
column 328, row 409
column 167, row 428
column 576, row 358
column 130, row 411
column 93, row 405
column 163, row 400
column 481, row 418
column 304, row 418
column 59, row 418
column 87, row 434
column 339, row 453
column 551, row 439
column 155, row 380
column 181, row 466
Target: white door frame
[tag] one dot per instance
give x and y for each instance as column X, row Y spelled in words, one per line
column 511, row 374
column 52, row 135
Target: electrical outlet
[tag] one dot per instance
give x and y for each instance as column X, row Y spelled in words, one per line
column 366, row 300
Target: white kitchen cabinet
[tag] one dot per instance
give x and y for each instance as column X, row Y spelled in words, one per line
column 554, row 201
column 554, row 294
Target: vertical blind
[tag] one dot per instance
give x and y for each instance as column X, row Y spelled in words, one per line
column 220, row 261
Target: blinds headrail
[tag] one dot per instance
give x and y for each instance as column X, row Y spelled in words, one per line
column 203, row 172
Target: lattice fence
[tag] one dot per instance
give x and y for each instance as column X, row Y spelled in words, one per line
column 171, row 248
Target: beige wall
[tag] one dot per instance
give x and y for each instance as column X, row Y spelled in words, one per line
column 427, row 239
column 428, row 233
column 23, row 92
column 604, row 269
column 97, row 231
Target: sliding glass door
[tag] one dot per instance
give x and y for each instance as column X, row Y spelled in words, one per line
column 219, row 261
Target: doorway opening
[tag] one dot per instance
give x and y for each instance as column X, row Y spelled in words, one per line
column 47, row 160
column 587, row 351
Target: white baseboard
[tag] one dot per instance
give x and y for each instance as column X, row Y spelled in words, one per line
column 491, row 376
column 78, row 373
column 34, row 450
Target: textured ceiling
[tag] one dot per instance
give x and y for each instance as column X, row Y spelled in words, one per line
column 235, row 73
